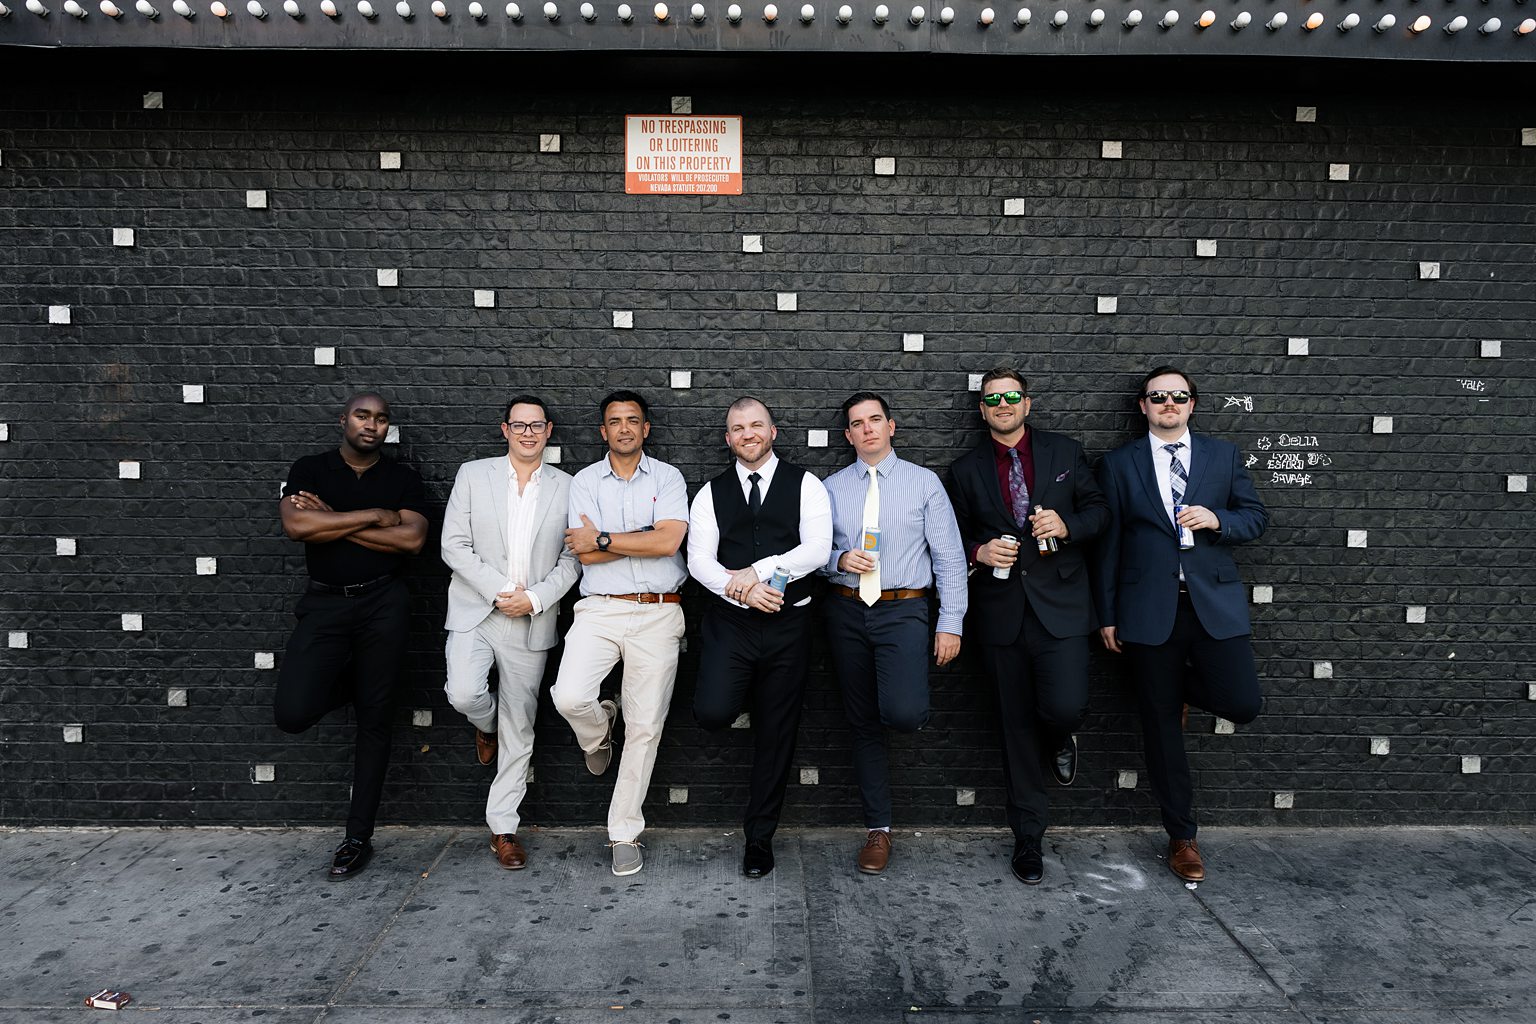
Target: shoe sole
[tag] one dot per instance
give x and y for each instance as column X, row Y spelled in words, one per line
column 628, row 871
column 607, row 745
column 870, row 871
column 1029, row 881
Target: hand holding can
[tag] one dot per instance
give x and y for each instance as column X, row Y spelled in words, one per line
column 1002, row 572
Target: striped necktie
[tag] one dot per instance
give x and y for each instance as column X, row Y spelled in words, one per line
column 1178, row 480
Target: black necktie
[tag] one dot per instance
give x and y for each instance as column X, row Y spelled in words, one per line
column 755, row 499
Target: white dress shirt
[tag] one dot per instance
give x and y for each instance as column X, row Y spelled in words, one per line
column 520, row 526
column 1162, row 465
column 799, row 561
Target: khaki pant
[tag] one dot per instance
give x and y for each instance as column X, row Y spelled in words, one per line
column 647, row 638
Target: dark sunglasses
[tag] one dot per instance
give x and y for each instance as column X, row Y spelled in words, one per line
column 993, row 401
column 1159, row 397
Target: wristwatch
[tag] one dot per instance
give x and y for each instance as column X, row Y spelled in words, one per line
column 603, row 540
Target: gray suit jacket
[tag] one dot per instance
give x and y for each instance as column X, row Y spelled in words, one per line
column 475, row 548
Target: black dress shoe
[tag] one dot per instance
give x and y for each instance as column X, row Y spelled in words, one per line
column 1028, row 864
column 1064, row 762
column 758, row 860
column 351, row 857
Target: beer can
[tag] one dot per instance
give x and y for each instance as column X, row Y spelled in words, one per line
column 872, row 542
column 1003, row 571
column 1186, row 535
column 780, row 579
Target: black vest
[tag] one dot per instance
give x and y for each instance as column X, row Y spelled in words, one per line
column 776, row 529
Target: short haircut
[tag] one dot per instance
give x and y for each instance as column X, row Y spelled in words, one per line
column 1001, row 372
column 1141, row 389
column 359, row 396
column 623, row 396
column 746, row 400
column 861, row 397
column 527, row 400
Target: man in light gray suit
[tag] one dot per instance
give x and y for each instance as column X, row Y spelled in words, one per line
column 504, row 539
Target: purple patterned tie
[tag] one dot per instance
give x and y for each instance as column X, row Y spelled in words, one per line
column 1018, row 490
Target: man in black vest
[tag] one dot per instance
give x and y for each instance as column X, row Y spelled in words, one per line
column 759, row 518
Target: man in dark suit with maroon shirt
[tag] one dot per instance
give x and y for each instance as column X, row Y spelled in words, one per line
column 1033, row 626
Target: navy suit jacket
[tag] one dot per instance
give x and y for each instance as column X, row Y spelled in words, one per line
column 1136, row 574
column 1055, row 586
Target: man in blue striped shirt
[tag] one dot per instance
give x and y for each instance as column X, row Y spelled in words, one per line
column 878, row 612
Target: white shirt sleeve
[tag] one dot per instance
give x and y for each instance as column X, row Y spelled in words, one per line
column 815, row 545
column 704, row 543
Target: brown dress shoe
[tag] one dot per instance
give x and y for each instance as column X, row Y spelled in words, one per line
column 509, row 852
column 1184, row 860
column 485, row 747
column 876, row 853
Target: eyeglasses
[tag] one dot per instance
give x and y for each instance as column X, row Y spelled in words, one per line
column 537, row 426
column 1176, row 397
column 994, row 400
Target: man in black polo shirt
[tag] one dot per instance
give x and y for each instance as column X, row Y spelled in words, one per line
column 358, row 515
column 759, row 517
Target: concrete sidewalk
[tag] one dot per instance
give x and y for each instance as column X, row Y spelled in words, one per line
column 1348, row 926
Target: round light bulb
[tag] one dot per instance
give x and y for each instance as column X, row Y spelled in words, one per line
column 1455, row 25
column 477, row 11
column 329, row 9
column 807, row 13
column 987, row 16
column 1420, row 24
column 1169, row 19
column 366, row 10
column 844, row 14
column 917, row 15
column 37, row 8
column 1277, row 23
column 1386, row 22
column 552, row 10
column 1059, row 18
column 404, row 10
column 1207, row 19
column 291, row 8
column 660, row 12
column 146, row 8
column 626, row 13
column 218, row 10
column 439, row 9
column 110, row 9
column 588, row 12
column 733, row 14
column 1133, row 19
column 252, row 8
column 1242, row 21
column 182, row 8
column 696, row 12
column 514, row 12
column 1096, row 18
column 1349, row 22
column 1313, row 22
column 1526, row 27
column 771, row 13
column 1490, row 26
column 71, row 7
column 882, row 12
column 1021, row 19
column 947, row 16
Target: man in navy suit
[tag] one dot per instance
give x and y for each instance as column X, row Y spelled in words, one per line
column 1032, row 622
column 1178, row 612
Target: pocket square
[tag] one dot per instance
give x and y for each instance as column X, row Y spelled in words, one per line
column 1064, row 476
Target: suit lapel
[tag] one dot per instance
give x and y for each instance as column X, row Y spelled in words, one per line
column 1200, row 455
column 986, row 465
column 1148, row 474
column 546, row 499
column 497, row 481
column 1041, row 452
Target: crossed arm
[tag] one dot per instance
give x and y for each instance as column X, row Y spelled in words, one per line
column 308, row 518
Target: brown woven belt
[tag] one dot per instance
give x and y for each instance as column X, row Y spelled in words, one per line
column 885, row 595
column 647, row 598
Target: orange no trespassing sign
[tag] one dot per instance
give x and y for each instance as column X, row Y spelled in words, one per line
column 689, row 154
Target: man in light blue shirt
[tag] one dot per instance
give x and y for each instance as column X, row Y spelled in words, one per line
column 628, row 516
column 878, row 611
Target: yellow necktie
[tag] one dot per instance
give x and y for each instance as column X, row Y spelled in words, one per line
column 869, row 582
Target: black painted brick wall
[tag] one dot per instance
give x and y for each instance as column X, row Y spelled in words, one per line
column 237, row 299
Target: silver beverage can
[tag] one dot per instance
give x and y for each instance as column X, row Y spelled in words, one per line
column 872, row 542
column 1186, row 535
column 780, row 579
column 1002, row 572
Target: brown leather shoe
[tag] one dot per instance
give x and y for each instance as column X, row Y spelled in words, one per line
column 509, row 852
column 485, row 747
column 1184, row 860
column 876, row 853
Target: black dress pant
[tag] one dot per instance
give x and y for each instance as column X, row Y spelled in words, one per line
column 1042, row 696
column 1190, row 667
column 348, row 650
column 756, row 662
column 880, row 653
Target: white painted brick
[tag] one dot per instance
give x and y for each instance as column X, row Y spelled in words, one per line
column 5, row 431
column 1472, row 764
column 1528, row 136
column 965, row 798
column 1322, row 670
column 1416, row 613
column 1530, row 688
column 264, row 660
column 1298, row 346
column 973, row 382
column 751, row 243
column 1285, row 801
column 1112, row 149
column 256, row 199
column 421, row 717
column 815, row 438
column 1381, row 424
column 624, row 319
column 810, row 776
column 128, row 471
column 1429, row 271
column 1380, row 746
column 1516, row 483
column 64, row 546
column 1338, row 172
column 1222, row 727
column 1205, row 247
column 682, row 104
column 677, row 795
column 388, row 277
column 1356, row 538
column 743, row 721
column 392, row 434
column 325, row 357
column 58, row 314
column 1491, row 348
column 207, row 566
column 263, row 773
column 193, row 394
column 681, row 380
column 133, row 622
column 485, row 298
column 1125, row 780
column 154, row 101
column 788, row 302
column 1306, row 115
column 528, row 775
column 911, row 342
column 1014, row 208
column 885, row 165
column 552, row 454
column 389, row 159
column 176, row 698
column 1263, row 593
column 549, row 143
column 18, row 640
column 123, row 238
column 74, row 733
column 1108, row 304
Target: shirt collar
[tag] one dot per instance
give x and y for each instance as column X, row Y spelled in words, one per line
column 512, row 472
column 765, row 471
column 644, row 466
column 1157, row 442
column 1000, row 450
column 884, row 467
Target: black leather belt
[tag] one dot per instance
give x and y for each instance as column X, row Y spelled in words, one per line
column 350, row 589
